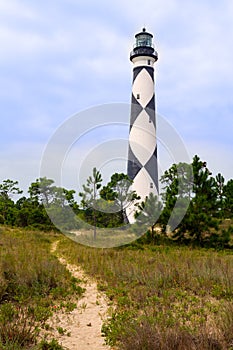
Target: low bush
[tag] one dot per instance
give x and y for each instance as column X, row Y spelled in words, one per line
column 52, row 345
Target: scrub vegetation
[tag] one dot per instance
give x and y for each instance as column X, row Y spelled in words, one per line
column 163, row 296
column 33, row 285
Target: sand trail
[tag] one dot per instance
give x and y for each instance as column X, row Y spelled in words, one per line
column 80, row 329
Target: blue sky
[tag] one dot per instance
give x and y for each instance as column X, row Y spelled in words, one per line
column 61, row 57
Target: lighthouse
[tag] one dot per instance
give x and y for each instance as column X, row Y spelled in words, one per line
column 142, row 152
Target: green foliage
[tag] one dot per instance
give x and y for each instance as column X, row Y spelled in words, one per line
column 178, row 181
column 194, row 202
column 91, row 190
column 31, row 213
column 56, row 204
column 228, row 199
column 17, row 325
column 105, row 207
column 119, row 192
column 52, row 345
column 148, row 214
column 48, row 206
column 89, row 197
column 219, row 184
column 8, row 188
column 42, row 191
column 117, row 326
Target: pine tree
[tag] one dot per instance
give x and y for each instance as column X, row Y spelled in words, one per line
column 90, row 196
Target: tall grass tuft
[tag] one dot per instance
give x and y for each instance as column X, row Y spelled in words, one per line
column 147, row 336
column 17, row 325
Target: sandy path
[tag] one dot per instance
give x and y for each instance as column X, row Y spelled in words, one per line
column 83, row 325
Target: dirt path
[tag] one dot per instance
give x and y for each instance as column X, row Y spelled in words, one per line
column 81, row 327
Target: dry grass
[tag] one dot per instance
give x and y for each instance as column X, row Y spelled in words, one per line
column 105, row 237
column 167, row 297
column 32, row 281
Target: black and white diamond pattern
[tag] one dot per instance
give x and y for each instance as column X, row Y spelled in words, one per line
column 142, row 156
column 144, row 86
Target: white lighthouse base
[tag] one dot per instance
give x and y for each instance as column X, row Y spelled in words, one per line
column 143, row 185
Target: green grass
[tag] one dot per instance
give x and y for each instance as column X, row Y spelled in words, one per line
column 32, row 282
column 167, row 297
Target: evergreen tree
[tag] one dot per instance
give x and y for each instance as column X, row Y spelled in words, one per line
column 118, row 191
column 8, row 212
column 199, row 221
column 228, row 199
column 219, row 180
column 148, row 214
column 90, row 197
column 42, row 191
column 178, row 192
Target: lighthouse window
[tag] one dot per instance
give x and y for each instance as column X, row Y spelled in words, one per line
column 148, row 62
column 138, row 96
column 151, row 185
column 143, row 40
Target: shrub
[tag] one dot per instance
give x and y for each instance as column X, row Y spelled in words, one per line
column 17, row 325
column 52, row 345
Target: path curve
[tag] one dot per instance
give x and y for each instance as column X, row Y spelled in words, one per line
column 83, row 325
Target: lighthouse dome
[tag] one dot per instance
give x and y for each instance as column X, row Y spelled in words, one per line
column 144, row 45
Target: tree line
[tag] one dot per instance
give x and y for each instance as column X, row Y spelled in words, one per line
column 193, row 207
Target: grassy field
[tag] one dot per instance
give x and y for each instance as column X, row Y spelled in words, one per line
column 164, row 297
column 167, row 297
column 32, row 285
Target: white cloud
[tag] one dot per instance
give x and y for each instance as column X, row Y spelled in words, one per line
column 16, row 9
column 58, row 57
